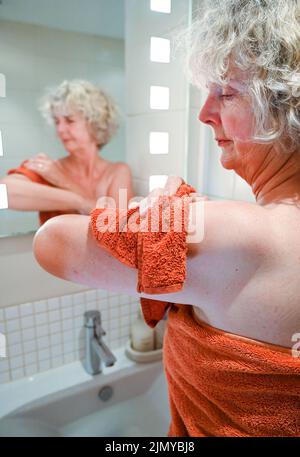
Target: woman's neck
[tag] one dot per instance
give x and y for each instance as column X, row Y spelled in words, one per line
column 277, row 179
column 85, row 163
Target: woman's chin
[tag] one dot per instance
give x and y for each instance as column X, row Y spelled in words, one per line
column 227, row 161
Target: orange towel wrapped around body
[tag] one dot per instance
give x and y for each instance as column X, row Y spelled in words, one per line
column 222, row 384
column 219, row 384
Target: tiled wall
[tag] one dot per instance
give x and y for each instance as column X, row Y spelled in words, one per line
column 49, row 333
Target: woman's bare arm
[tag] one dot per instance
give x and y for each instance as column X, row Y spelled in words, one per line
column 218, row 267
column 25, row 195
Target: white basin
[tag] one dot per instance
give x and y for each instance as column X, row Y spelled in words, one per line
column 64, row 402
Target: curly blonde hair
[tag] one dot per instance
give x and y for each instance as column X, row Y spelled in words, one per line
column 82, row 96
column 261, row 38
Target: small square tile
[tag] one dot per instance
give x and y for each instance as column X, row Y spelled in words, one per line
column 91, row 295
column 17, row 373
column 53, row 303
column 79, row 298
column 57, row 361
column 31, row 369
column 69, row 358
column 15, row 350
column 55, row 339
column 114, row 302
column 66, row 300
column 28, row 334
column 113, row 324
column 16, row 362
column 102, row 294
column 4, row 377
column 56, row 350
column 43, row 342
column 44, row 365
column 4, row 365
column 67, row 312
column 114, row 313
column 30, row 358
column 27, row 322
column 55, row 327
column 79, row 310
column 44, row 354
column 68, row 335
column 54, row 315
column 14, row 338
column 12, row 312
column 68, row 347
column 29, row 346
column 125, row 310
column 1, row 314
column 125, row 320
column 26, row 309
column 42, row 330
column 67, row 324
column 40, row 306
column 124, row 331
column 123, row 299
column 41, row 318
column 78, row 322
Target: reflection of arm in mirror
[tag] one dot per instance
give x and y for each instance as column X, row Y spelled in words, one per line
column 25, row 195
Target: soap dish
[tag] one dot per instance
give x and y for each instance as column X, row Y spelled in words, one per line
column 142, row 357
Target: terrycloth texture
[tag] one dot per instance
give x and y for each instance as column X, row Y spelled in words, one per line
column 159, row 256
column 221, row 384
column 35, row 177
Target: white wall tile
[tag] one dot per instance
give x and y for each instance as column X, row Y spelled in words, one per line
column 50, row 338
column 26, row 309
column 12, row 312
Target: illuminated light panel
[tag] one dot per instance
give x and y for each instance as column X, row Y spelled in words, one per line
column 157, row 181
column 160, row 50
column 159, row 142
column 1, row 147
column 162, row 6
column 2, row 85
column 159, row 97
column 3, row 197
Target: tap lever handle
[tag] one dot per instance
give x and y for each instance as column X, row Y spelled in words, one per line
column 92, row 318
column 99, row 331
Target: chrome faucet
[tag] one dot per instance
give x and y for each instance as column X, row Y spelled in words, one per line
column 96, row 350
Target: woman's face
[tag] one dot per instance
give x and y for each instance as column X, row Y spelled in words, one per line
column 74, row 131
column 228, row 111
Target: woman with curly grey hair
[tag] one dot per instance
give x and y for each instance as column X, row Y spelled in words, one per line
column 231, row 350
column 85, row 119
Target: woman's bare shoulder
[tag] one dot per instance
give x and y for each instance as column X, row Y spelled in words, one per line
column 235, row 224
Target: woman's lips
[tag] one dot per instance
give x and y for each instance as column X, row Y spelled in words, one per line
column 223, row 142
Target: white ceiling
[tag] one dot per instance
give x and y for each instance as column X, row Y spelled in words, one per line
column 98, row 17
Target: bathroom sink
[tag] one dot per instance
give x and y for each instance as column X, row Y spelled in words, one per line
column 65, row 402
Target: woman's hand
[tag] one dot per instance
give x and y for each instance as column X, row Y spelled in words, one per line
column 48, row 169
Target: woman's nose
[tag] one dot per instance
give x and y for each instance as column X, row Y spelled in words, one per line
column 209, row 113
column 60, row 127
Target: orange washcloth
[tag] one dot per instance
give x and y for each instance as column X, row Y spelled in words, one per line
column 159, row 256
column 221, row 384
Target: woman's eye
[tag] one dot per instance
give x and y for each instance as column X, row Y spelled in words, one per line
column 227, row 96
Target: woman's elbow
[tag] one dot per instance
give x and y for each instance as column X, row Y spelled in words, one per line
column 47, row 244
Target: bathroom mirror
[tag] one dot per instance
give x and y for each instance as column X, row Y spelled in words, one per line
column 42, row 43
